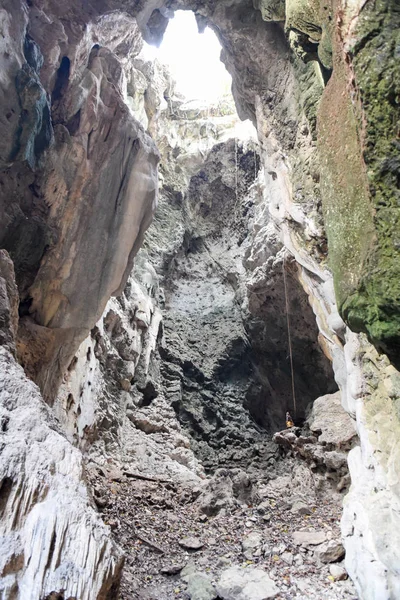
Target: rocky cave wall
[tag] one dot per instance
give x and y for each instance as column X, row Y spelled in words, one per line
column 78, row 175
column 225, row 347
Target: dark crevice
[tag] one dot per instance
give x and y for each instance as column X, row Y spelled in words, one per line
column 62, row 80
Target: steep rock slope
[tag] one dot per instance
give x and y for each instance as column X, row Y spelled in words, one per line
column 68, row 184
column 75, row 164
column 52, row 539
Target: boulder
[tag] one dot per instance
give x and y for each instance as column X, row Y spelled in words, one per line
column 200, row 587
column 237, row 583
column 333, row 424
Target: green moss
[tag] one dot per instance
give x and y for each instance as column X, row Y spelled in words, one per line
column 360, row 154
column 375, row 306
column 346, row 202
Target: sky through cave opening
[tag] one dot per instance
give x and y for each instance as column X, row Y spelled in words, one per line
column 194, row 61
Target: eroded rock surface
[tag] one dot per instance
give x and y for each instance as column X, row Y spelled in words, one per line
column 52, row 539
column 82, row 175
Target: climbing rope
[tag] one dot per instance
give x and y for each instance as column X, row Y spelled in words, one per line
column 289, row 336
column 236, row 209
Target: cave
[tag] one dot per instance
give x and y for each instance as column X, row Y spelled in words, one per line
column 199, row 300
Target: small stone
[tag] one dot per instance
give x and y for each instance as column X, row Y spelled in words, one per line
column 264, row 507
column 266, row 549
column 191, row 543
column 338, row 572
column 172, row 569
column 298, row 560
column 287, row 557
column 223, row 562
column 125, row 385
column 203, row 518
column 275, row 558
column 330, row 551
column 300, row 508
column 309, row 538
column 113, row 523
column 115, row 474
column 281, row 548
column 251, row 542
column 267, row 518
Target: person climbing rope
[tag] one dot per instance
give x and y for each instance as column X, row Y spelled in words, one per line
column 289, row 421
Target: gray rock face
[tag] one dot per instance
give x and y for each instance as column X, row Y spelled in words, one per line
column 8, row 303
column 224, row 351
column 52, row 540
column 237, row 583
column 326, row 444
column 68, row 218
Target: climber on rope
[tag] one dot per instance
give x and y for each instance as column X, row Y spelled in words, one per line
column 289, row 421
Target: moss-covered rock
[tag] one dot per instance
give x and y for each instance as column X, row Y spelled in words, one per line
column 376, row 305
column 308, row 24
column 347, row 206
column 303, row 15
column 360, row 148
column 325, row 43
column 271, row 10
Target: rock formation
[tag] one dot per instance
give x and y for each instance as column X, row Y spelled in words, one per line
column 179, row 367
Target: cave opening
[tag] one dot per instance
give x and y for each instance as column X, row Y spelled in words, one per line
column 193, row 59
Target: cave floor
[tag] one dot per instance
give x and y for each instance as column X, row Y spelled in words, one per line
column 150, row 520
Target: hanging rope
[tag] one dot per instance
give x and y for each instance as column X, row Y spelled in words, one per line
column 289, row 336
column 236, row 170
column 236, row 209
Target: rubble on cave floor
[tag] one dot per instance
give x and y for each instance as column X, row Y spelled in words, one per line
column 151, row 521
column 233, row 536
